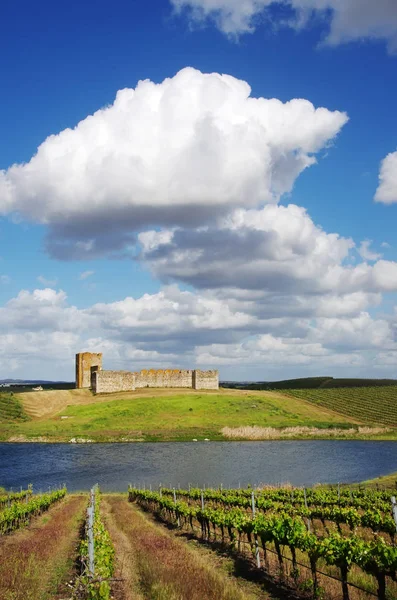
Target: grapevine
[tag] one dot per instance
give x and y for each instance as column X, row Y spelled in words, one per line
column 376, row 557
column 96, row 586
column 20, row 513
column 6, row 499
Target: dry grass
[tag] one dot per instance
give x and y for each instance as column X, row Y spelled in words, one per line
column 271, row 433
column 50, row 402
column 159, row 566
column 36, row 563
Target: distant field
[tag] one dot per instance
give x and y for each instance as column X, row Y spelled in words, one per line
column 166, row 415
column 305, row 383
column 372, row 405
column 11, row 408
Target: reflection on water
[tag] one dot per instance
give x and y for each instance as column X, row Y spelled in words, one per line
column 113, row 466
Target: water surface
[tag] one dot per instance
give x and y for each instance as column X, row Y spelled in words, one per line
column 114, row 466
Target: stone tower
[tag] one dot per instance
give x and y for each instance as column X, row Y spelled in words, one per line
column 85, row 363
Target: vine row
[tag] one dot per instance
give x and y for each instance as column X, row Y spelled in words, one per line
column 97, row 570
column 20, row 513
column 372, row 518
column 7, row 499
column 363, row 500
column 376, row 558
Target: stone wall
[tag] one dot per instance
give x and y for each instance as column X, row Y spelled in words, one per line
column 205, row 380
column 89, row 374
column 84, row 362
column 164, row 378
column 106, row 382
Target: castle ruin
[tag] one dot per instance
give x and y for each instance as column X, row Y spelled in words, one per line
column 89, row 374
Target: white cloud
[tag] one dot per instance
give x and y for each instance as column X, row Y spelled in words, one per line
column 86, row 274
column 365, row 252
column 277, row 250
column 387, row 189
column 39, row 311
column 176, row 153
column 346, row 20
column 41, row 332
column 47, row 282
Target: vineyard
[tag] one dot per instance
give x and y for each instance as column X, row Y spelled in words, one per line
column 329, row 543
column 345, row 535
column 11, row 409
column 24, row 507
column 373, row 405
column 96, row 554
column 305, row 383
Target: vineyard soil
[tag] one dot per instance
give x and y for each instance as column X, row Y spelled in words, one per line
column 36, row 563
column 154, row 564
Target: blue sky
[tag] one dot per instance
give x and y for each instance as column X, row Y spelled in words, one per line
column 66, row 61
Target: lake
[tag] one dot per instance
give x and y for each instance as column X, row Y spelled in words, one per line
column 114, row 466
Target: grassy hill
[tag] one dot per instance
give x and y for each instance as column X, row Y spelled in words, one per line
column 154, row 415
column 373, row 405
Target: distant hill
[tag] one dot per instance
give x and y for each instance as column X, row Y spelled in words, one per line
column 25, row 385
column 306, row 383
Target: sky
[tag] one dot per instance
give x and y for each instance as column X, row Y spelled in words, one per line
column 199, row 184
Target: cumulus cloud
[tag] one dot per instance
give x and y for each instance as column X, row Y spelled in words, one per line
column 387, row 189
column 345, row 20
column 40, row 311
column 181, row 152
column 366, row 253
column 277, row 250
column 41, row 332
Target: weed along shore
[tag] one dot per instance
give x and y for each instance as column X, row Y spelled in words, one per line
column 165, row 415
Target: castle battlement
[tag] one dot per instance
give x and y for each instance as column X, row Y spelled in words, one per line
column 89, row 374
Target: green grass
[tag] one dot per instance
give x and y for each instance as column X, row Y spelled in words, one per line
column 385, row 481
column 372, row 405
column 176, row 417
column 11, row 409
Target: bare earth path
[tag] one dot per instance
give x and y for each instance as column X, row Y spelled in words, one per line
column 37, row 562
column 153, row 563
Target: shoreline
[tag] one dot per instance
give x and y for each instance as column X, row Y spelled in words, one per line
column 84, row 441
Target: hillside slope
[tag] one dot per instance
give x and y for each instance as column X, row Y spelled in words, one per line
column 154, row 415
column 372, row 405
column 50, row 402
column 11, row 408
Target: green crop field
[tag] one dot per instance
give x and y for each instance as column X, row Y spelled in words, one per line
column 11, row 408
column 372, row 405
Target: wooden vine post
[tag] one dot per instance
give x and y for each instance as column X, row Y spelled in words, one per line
column 177, row 519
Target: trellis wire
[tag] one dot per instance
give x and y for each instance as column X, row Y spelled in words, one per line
column 257, row 551
column 299, row 564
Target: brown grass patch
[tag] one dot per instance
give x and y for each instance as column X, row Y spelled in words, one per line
column 271, row 433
